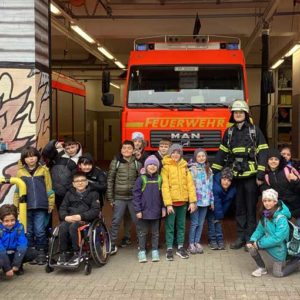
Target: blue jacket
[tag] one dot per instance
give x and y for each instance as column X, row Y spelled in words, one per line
column 272, row 234
column 222, row 198
column 12, row 239
column 148, row 202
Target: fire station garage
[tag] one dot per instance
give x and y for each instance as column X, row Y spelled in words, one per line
column 100, row 72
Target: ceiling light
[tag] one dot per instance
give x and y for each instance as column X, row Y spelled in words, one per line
column 54, row 9
column 278, row 63
column 293, row 50
column 119, row 64
column 115, row 85
column 83, row 34
column 105, row 52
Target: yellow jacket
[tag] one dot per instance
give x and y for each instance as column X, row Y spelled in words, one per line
column 39, row 188
column 177, row 182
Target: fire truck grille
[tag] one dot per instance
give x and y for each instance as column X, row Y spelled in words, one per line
column 188, row 139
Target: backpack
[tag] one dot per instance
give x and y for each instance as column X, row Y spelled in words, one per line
column 293, row 240
column 145, row 181
column 135, row 163
column 293, row 243
column 287, row 171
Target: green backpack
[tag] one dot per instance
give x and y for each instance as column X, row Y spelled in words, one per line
column 145, row 181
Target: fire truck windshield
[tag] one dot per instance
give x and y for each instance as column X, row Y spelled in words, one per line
column 197, row 85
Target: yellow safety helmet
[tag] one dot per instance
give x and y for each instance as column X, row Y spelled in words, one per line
column 239, row 105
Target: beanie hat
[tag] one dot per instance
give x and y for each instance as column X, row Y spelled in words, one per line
column 274, row 153
column 137, row 136
column 227, row 173
column 270, row 194
column 198, row 151
column 175, row 147
column 151, row 160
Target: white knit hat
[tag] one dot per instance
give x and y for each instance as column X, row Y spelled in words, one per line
column 270, row 194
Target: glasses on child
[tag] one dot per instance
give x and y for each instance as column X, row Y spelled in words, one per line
column 79, row 181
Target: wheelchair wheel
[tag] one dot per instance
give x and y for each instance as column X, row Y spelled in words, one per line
column 87, row 269
column 99, row 240
column 53, row 247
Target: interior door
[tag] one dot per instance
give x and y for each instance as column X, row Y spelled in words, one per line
column 112, row 138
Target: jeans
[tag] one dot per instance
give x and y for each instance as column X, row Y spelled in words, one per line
column 68, row 231
column 118, row 214
column 179, row 216
column 36, row 228
column 215, row 233
column 142, row 231
column 196, row 225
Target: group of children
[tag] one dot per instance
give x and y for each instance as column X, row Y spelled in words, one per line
column 163, row 185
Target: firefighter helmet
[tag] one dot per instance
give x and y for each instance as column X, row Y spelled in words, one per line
column 240, row 105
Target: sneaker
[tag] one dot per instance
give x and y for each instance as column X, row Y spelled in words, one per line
column 41, row 258
column 259, row 272
column 221, row 245
column 213, row 245
column 62, row 260
column 142, row 256
column 169, row 255
column 192, row 249
column 181, row 252
column 199, row 248
column 113, row 250
column 155, row 255
column 125, row 242
column 74, row 261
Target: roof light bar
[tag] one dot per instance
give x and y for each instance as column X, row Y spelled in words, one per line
column 83, row 34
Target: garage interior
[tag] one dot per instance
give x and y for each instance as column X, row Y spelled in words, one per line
column 112, row 26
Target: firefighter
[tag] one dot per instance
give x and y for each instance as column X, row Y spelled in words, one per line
column 244, row 150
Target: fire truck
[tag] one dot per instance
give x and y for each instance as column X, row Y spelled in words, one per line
column 180, row 88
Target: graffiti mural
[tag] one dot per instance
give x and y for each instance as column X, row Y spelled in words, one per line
column 24, row 118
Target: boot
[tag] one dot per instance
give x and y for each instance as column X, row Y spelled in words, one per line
column 239, row 243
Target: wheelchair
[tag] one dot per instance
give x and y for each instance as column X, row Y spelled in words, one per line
column 94, row 243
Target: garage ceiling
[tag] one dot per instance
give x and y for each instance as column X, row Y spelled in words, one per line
column 116, row 23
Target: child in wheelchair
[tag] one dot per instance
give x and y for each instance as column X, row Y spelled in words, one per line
column 80, row 205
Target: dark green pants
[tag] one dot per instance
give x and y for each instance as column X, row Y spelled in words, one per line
column 180, row 213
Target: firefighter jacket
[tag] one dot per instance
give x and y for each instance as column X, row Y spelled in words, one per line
column 244, row 150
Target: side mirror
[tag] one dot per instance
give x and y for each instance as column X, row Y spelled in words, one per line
column 108, row 99
column 105, row 82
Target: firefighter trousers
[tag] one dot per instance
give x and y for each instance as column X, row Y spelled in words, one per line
column 245, row 207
